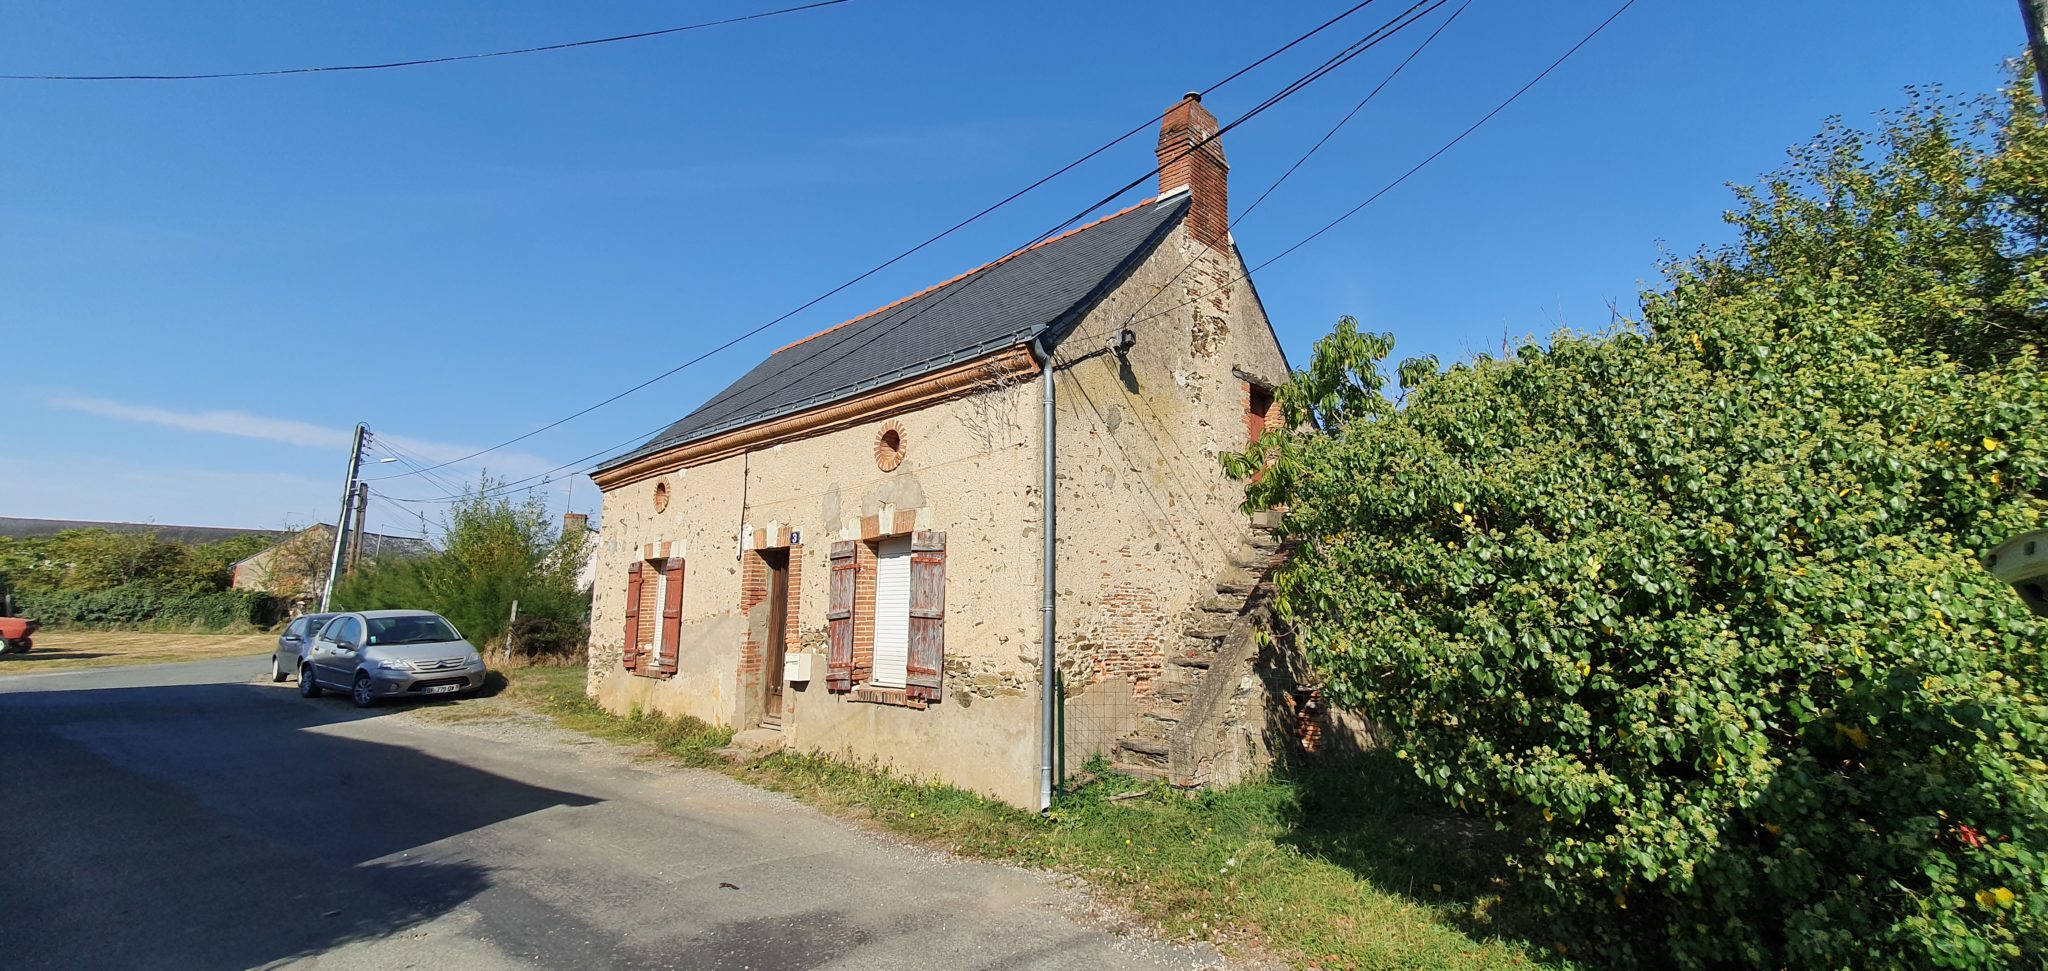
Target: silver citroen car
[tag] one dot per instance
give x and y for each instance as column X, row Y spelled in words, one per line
column 377, row 654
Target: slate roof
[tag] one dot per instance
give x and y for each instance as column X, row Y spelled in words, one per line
column 1006, row 303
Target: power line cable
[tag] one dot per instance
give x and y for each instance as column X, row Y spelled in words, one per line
column 1372, row 39
column 423, row 61
column 1062, row 359
column 1305, row 156
column 1419, row 166
column 1148, row 431
column 820, row 298
column 508, row 488
column 408, row 460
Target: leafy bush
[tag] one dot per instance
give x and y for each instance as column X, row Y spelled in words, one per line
column 546, row 640
column 140, row 606
column 495, row 552
column 1697, row 609
column 99, row 559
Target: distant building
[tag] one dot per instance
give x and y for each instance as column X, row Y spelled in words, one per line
column 586, row 571
column 2023, row 562
column 296, row 565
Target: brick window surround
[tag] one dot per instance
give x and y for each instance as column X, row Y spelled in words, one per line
column 753, row 592
column 1260, row 411
column 850, row 618
column 649, row 613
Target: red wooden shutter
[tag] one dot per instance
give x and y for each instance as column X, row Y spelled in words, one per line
column 631, row 657
column 672, row 618
column 927, row 615
column 839, row 620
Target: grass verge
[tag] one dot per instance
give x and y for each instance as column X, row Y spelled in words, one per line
column 1328, row 868
column 70, row 649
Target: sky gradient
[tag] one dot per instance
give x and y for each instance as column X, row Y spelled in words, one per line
column 204, row 284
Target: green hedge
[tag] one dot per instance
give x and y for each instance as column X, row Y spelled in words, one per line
column 137, row 606
column 1695, row 612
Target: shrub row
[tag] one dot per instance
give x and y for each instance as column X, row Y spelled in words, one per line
column 138, row 606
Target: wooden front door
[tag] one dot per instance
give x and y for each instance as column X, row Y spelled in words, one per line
column 778, row 625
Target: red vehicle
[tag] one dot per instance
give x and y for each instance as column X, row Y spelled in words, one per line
column 15, row 634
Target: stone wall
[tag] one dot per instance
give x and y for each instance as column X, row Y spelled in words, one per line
column 970, row 468
column 1147, row 518
column 1146, row 521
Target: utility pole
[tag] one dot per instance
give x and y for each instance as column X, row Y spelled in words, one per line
column 2035, row 13
column 348, row 490
column 355, row 549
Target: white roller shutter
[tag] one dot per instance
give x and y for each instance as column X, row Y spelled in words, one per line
column 892, row 612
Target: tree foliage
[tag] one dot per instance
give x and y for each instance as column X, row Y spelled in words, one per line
column 1696, row 608
column 494, row 551
column 89, row 560
column 142, row 607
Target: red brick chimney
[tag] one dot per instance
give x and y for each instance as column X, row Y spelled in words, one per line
column 575, row 520
column 1191, row 156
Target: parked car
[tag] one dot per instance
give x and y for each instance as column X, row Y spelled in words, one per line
column 284, row 662
column 378, row 654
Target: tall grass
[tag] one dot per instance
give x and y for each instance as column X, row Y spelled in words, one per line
column 1345, row 866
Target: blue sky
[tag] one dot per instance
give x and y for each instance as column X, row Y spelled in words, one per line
column 204, row 284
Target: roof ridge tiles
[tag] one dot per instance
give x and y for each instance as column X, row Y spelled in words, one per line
column 992, row 264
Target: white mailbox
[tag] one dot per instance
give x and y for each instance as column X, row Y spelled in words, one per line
column 796, row 667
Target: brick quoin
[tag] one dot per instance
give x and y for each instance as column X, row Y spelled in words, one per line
column 650, row 617
column 790, row 642
column 753, row 592
column 865, row 562
column 1186, row 159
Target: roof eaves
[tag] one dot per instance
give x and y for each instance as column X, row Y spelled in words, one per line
column 882, row 380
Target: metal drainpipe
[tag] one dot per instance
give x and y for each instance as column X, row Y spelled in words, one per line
column 1049, row 574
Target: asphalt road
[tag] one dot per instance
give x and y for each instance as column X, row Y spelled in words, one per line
column 194, row 816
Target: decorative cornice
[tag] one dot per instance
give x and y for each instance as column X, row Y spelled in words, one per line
column 904, row 396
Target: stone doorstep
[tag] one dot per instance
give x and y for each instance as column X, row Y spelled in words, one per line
column 751, row 744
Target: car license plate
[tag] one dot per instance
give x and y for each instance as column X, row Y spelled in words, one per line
column 440, row 689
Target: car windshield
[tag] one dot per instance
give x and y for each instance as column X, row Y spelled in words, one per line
column 418, row 629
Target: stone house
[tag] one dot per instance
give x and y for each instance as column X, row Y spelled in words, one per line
column 851, row 546
column 295, row 566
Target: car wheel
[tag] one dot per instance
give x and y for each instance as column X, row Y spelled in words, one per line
column 364, row 694
column 308, row 688
column 22, row 646
column 276, row 673
column 6, row 645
